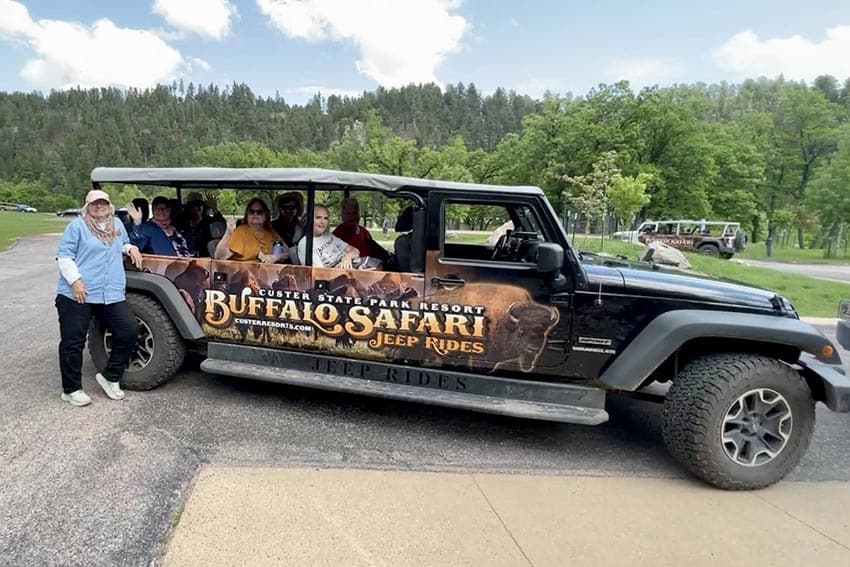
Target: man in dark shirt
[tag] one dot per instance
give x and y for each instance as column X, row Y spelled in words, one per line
column 357, row 235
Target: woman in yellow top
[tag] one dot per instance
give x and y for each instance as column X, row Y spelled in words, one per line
column 254, row 239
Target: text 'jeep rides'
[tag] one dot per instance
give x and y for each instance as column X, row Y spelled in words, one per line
column 518, row 326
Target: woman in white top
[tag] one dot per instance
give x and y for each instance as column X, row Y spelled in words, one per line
column 329, row 251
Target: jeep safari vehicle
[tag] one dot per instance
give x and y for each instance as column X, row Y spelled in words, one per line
column 710, row 238
column 519, row 327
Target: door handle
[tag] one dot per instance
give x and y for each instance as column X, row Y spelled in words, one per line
column 447, row 282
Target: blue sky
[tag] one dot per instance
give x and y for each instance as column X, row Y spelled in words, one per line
column 296, row 47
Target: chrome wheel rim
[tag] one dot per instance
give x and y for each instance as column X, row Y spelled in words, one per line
column 142, row 352
column 756, row 427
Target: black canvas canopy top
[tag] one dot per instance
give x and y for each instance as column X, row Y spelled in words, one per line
column 253, row 178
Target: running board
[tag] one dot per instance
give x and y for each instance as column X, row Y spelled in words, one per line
column 531, row 400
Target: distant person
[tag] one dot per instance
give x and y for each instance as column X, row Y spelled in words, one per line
column 92, row 284
column 385, row 226
column 288, row 225
column 254, row 239
column 158, row 235
column 329, row 251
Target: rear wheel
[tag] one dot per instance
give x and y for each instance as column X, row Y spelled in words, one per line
column 159, row 351
column 738, row 421
column 709, row 250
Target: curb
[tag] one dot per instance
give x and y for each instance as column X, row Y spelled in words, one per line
column 820, row 320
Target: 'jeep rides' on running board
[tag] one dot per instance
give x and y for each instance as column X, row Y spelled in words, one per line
column 515, row 324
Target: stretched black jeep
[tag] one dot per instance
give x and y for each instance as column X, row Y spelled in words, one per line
column 512, row 322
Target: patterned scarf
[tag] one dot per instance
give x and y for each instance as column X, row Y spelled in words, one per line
column 108, row 232
column 162, row 224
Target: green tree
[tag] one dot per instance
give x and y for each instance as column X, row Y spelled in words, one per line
column 829, row 196
column 589, row 193
column 626, row 195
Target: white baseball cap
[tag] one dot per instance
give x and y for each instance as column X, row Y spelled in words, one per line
column 97, row 195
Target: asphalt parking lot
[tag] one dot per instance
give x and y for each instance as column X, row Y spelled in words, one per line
column 105, row 484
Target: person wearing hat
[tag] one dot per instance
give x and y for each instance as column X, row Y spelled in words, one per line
column 92, row 284
column 158, row 235
column 290, row 207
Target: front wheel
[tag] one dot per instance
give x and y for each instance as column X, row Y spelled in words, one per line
column 159, row 350
column 738, row 421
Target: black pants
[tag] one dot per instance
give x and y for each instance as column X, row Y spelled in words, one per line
column 74, row 319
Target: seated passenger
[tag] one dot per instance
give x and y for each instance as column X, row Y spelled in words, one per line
column 198, row 218
column 158, row 235
column 290, row 207
column 355, row 234
column 329, row 251
column 254, row 239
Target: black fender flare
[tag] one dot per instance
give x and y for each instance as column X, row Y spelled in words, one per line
column 163, row 290
column 669, row 331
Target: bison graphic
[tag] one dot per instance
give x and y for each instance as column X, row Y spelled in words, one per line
column 523, row 334
column 516, row 328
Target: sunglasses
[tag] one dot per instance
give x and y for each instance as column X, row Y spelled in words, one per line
column 256, row 211
column 289, row 207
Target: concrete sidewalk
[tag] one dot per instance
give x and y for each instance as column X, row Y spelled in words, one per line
column 245, row 516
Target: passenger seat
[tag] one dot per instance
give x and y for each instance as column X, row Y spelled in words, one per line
column 217, row 230
column 404, row 223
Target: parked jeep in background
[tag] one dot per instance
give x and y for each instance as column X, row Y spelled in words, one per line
column 710, row 238
column 515, row 325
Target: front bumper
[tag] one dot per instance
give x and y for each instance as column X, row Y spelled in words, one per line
column 836, row 386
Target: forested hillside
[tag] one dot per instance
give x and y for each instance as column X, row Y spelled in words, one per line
column 772, row 154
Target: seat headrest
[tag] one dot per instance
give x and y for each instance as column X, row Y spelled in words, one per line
column 404, row 223
column 217, row 229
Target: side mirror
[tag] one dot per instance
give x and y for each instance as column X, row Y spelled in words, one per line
column 844, row 310
column 550, row 257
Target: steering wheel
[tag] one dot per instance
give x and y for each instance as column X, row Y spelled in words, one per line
column 502, row 249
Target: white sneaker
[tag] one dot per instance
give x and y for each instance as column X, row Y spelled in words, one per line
column 78, row 398
column 112, row 389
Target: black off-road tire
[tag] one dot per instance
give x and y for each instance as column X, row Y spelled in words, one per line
column 168, row 351
column 709, row 250
column 741, row 240
column 699, row 400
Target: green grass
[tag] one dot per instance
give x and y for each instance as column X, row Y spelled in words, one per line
column 14, row 225
column 811, row 297
column 758, row 251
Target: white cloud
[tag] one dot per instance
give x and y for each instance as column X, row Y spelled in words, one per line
column 200, row 63
column 515, row 22
column 796, row 57
column 642, row 71
column 70, row 54
column 310, row 90
column 400, row 41
column 208, row 18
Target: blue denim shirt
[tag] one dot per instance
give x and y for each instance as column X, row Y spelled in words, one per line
column 151, row 239
column 101, row 265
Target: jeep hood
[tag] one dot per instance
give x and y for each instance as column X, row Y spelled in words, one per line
column 643, row 278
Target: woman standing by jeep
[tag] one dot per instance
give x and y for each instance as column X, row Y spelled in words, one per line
column 92, row 284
